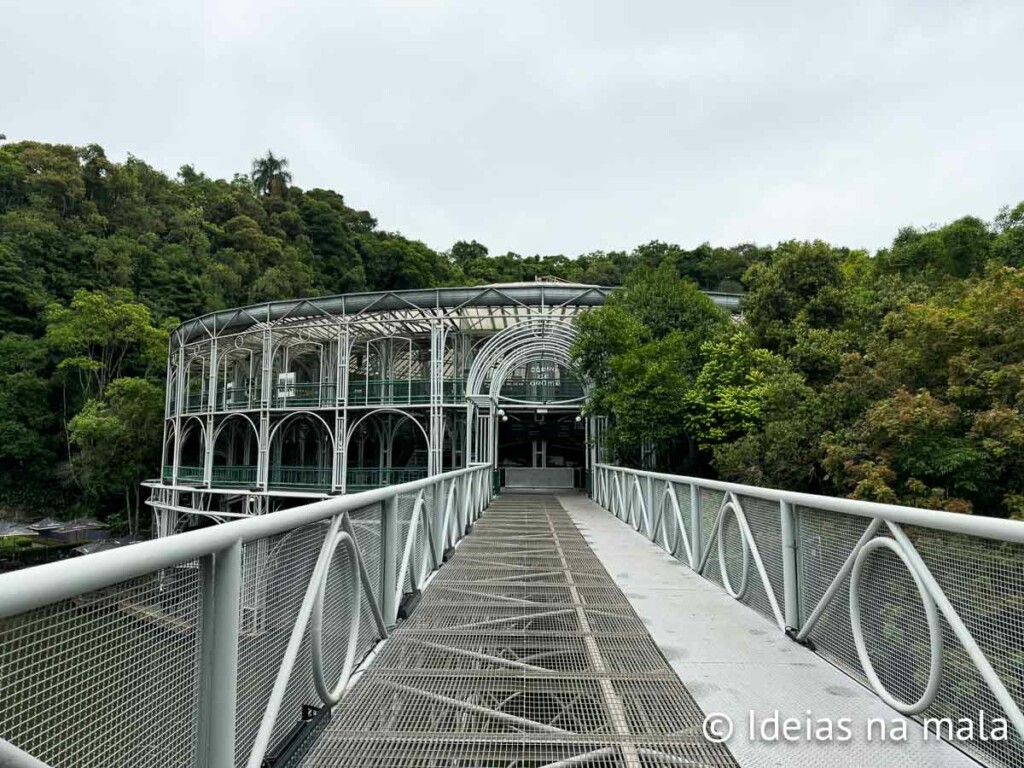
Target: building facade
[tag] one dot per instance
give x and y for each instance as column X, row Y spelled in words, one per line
column 277, row 404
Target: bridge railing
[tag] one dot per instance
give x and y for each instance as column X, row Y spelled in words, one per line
column 925, row 607
column 209, row 647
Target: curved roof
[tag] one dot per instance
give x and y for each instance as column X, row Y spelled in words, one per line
column 418, row 303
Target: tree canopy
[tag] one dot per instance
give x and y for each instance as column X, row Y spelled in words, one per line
column 896, row 378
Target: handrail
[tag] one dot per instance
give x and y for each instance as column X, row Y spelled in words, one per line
column 68, row 578
column 951, row 522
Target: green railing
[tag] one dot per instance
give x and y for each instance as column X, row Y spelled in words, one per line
column 195, row 402
column 323, row 395
column 190, row 474
column 303, row 395
column 234, row 476
column 364, row 478
column 295, row 477
column 388, row 391
column 301, row 478
column 238, row 398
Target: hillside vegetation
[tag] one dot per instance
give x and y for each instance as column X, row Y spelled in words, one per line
column 888, row 376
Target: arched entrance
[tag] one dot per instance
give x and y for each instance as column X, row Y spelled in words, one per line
column 525, row 407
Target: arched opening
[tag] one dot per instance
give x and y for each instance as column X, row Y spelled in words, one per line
column 191, row 451
column 530, row 403
column 385, row 447
column 197, row 383
column 299, row 376
column 389, row 370
column 301, row 453
column 239, row 378
column 167, row 455
column 236, row 451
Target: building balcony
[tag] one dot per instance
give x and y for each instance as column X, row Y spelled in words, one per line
column 306, row 395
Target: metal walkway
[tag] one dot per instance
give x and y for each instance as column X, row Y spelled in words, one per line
column 522, row 654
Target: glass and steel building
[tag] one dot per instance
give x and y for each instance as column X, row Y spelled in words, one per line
column 273, row 404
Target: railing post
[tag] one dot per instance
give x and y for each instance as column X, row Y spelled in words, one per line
column 696, row 534
column 649, row 503
column 789, row 565
column 389, row 556
column 222, row 587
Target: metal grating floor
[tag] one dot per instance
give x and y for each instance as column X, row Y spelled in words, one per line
column 522, row 654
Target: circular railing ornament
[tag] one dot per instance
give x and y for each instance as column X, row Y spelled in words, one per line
column 327, row 695
column 737, row 594
column 669, row 505
column 636, row 506
column 934, row 630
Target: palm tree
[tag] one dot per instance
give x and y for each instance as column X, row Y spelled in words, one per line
column 270, row 174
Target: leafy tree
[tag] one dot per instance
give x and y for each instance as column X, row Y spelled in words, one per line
column 99, row 332
column 119, row 436
column 641, row 353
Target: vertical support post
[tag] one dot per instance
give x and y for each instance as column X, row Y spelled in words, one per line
column 266, row 378
column 179, row 407
column 649, row 503
column 210, row 407
column 222, row 587
column 696, row 534
column 340, row 467
column 789, row 565
column 389, row 557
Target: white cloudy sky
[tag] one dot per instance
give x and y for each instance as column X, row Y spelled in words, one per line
column 552, row 126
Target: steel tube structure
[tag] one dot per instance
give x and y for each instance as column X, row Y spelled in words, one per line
column 308, row 398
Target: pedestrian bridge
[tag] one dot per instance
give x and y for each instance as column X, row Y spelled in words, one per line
column 662, row 621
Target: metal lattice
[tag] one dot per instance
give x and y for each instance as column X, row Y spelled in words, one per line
column 523, row 652
column 108, row 678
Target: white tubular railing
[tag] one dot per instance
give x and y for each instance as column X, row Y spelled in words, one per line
column 193, row 649
column 925, row 607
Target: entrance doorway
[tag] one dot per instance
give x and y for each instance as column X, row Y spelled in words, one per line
column 540, row 448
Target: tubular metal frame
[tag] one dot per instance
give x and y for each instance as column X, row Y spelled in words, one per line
column 326, row 366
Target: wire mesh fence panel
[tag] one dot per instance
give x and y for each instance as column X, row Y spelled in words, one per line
column 283, row 572
column 983, row 581
column 989, row 599
column 107, row 679
column 682, row 495
column 406, row 506
column 764, row 521
column 825, row 541
column 710, row 504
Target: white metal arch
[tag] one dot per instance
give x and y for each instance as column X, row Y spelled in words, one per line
column 186, row 426
column 524, row 356
column 552, row 334
column 377, row 411
column 289, row 417
column 243, row 416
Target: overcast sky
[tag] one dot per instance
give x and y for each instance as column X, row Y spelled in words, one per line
column 554, row 126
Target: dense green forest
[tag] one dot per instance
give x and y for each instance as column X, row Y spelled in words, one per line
column 892, row 376
column 897, row 377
